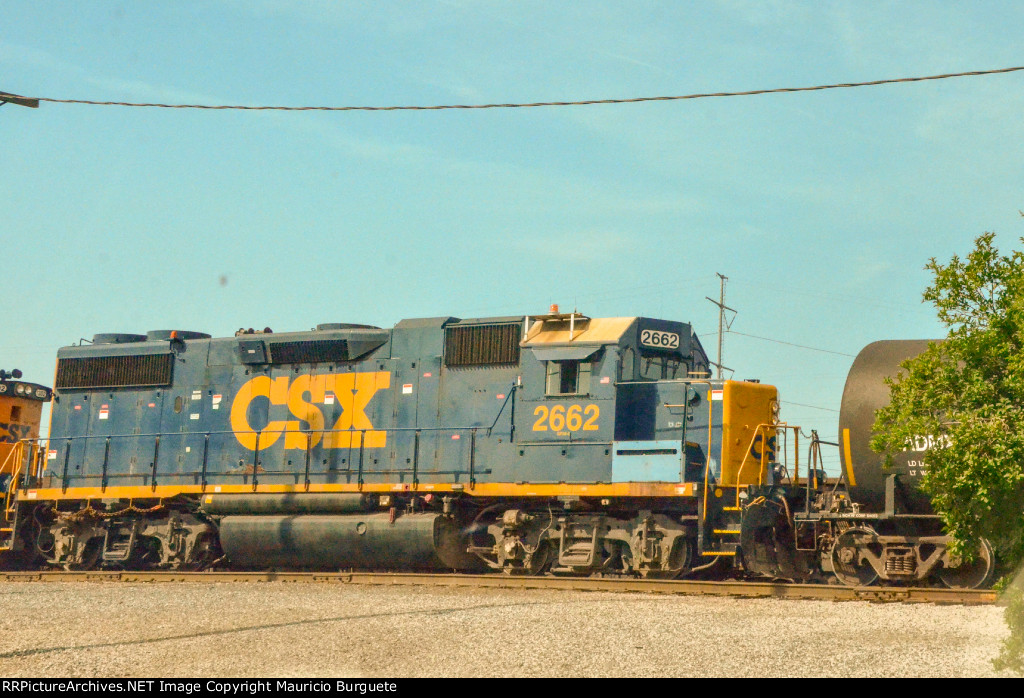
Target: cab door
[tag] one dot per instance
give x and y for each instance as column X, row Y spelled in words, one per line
column 661, row 432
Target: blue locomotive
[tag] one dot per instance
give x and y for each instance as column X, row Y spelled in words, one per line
column 555, row 443
column 526, row 444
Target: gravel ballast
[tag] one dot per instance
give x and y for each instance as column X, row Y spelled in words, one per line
column 277, row 629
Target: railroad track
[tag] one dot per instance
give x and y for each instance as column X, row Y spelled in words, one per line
column 777, row 590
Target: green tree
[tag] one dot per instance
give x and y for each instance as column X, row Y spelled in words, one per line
column 1012, row 655
column 968, row 392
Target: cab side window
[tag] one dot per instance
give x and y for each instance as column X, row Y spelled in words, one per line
column 661, row 368
column 568, row 377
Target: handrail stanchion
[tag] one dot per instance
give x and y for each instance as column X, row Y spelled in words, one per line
column 33, row 465
column 472, row 459
column 103, row 470
column 156, row 458
column 43, row 455
column 256, row 461
column 309, row 449
column 206, row 452
column 796, row 450
column 362, row 442
column 416, row 459
column 67, row 458
column 812, row 478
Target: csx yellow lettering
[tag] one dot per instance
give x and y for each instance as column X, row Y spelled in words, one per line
column 261, row 386
column 305, row 411
column 353, row 391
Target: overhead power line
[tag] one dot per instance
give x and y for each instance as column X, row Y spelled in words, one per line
column 802, row 346
column 515, row 105
column 813, row 407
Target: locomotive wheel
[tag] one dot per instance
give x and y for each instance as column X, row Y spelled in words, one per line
column 90, row 557
column 541, row 559
column 679, row 563
column 538, row 562
column 846, row 563
column 973, row 574
column 681, row 558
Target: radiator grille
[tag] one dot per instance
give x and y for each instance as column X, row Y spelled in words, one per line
column 115, row 371
column 482, row 345
column 309, row 352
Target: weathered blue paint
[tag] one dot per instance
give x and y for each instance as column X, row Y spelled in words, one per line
column 433, row 415
column 647, row 461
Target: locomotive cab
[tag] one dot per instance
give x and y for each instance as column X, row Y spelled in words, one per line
column 643, row 385
column 627, row 403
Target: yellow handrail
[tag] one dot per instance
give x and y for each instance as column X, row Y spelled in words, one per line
column 16, row 454
column 762, row 430
column 16, row 460
column 750, row 447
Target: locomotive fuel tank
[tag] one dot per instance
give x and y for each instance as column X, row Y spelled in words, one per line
column 425, row 541
column 866, row 392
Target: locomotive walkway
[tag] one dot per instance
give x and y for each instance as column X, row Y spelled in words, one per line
column 780, row 590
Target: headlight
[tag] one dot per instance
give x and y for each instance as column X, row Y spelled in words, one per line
column 19, row 389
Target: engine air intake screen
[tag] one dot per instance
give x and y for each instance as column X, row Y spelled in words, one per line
column 316, row 351
column 482, row 345
column 145, row 370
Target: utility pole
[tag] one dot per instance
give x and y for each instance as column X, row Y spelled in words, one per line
column 722, row 325
column 18, row 99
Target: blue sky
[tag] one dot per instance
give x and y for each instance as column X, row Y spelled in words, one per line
column 822, row 208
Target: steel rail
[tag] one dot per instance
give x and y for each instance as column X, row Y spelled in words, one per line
column 740, row 589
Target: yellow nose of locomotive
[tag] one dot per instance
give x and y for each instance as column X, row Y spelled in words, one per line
column 748, row 439
column 21, row 407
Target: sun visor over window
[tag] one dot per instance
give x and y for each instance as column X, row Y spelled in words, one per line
column 565, row 353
